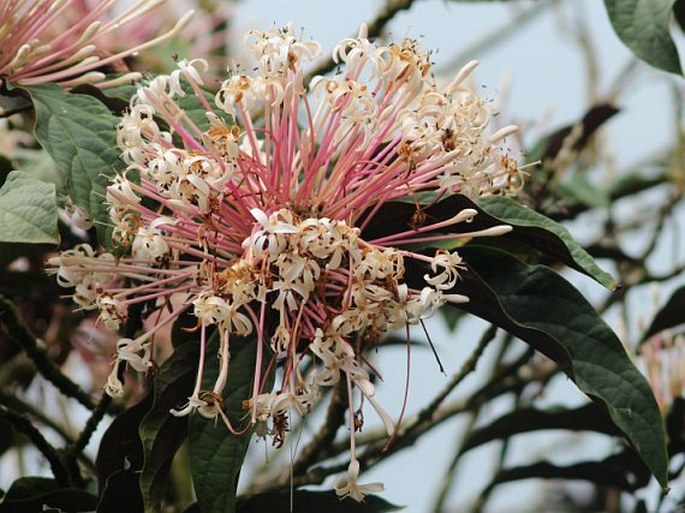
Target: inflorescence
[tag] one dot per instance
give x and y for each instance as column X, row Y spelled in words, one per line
column 252, row 218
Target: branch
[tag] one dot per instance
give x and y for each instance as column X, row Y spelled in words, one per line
column 96, row 417
column 24, row 426
column 20, row 407
column 18, row 332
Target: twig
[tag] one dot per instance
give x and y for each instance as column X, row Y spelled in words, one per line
column 75, row 449
column 467, row 368
column 446, row 482
column 24, row 426
column 22, row 408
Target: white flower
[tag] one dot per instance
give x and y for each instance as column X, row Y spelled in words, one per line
column 114, row 387
column 210, row 309
column 120, row 193
column 356, row 52
column 193, row 404
column 130, row 351
column 240, row 91
column 188, row 69
column 112, row 311
column 149, row 243
column 451, row 263
column 85, row 296
column 271, row 239
column 347, row 486
column 280, row 49
column 78, row 217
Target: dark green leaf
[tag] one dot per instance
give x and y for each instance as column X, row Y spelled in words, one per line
column 541, row 308
column 307, row 501
column 216, row 455
column 120, row 94
column 675, row 426
column 644, row 26
column 6, row 167
column 35, row 494
column 119, row 462
column 7, row 436
column 116, row 99
column 679, row 13
column 11, row 103
column 121, row 447
column 195, row 110
column 26, row 487
column 589, row 417
column 547, row 236
column 162, row 433
column 80, row 134
column 121, row 493
column 28, row 210
column 670, row 316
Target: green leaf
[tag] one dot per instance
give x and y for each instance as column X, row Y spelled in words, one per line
column 31, row 486
column 216, row 455
column 28, row 210
column 116, row 99
column 675, row 426
column 670, row 316
column 80, row 134
column 11, row 103
column 162, row 433
column 547, row 236
column 644, row 26
column 679, row 13
column 32, row 494
column 39, row 164
column 541, row 308
column 7, row 436
column 121, row 493
column 120, row 448
column 588, row 417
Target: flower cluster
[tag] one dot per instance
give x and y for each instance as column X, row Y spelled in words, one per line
column 65, row 41
column 254, row 216
column 662, row 357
